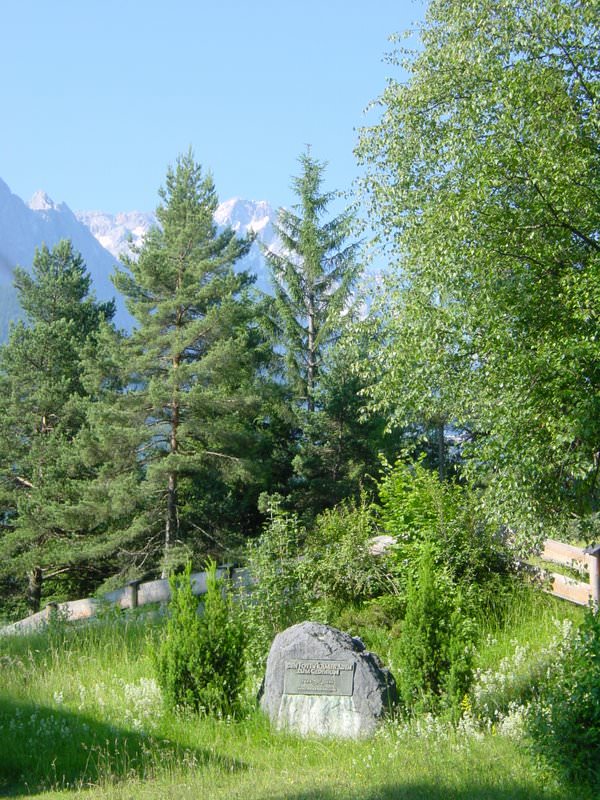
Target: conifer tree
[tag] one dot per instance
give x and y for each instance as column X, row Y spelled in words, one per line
column 192, row 358
column 312, row 274
column 41, row 412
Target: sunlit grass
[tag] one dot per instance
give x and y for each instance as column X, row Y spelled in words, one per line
column 80, row 713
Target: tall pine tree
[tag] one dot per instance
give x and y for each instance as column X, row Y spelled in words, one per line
column 192, row 359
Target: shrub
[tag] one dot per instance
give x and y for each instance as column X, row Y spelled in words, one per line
column 381, row 614
column 337, row 565
column 418, row 508
column 200, row 661
column 277, row 598
column 436, row 645
column 563, row 723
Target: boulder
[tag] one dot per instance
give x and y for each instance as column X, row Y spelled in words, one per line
column 324, row 682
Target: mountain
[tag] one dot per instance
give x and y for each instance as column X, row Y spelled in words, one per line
column 24, row 227
column 117, row 232
column 101, row 239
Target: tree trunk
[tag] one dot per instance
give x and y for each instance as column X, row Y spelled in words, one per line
column 172, row 521
column 34, row 589
column 311, row 365
column 441, row 450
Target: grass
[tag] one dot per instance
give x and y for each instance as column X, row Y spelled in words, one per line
column 80, row 714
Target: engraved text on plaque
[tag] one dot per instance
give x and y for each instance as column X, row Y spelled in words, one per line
column 319, row 677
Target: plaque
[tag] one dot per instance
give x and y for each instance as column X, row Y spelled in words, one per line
column 319, row 677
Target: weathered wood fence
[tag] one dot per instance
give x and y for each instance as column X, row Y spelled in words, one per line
column 586, row 561
column 134, row 594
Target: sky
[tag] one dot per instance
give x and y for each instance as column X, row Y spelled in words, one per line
column 98, row 97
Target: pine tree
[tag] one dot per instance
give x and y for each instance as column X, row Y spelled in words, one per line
column 192, row 359
column 41, row 412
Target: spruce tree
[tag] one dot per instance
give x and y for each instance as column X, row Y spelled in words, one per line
column 313, row 273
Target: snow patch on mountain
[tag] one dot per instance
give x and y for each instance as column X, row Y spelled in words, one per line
column 121, row 233
column 245, row 216
column 118, row 233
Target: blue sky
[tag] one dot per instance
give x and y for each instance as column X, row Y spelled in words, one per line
column 99, row 96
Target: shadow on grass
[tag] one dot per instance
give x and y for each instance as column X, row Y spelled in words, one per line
column 431, row 791
column 427, row 791
column 45, row 748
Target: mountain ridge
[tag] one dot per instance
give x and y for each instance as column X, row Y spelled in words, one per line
column 102, row 239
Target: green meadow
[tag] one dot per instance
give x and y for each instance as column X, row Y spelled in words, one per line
column 81, row 714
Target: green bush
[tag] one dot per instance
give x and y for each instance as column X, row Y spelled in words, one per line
column 563, row 723
column 277, row 598
column 418, row 508
column 200, row 662
column 382, row 614
column 337, row 566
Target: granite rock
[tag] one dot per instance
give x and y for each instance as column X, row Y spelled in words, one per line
column 324, row 682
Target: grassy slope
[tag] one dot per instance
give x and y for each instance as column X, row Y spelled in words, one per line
column 80, row 713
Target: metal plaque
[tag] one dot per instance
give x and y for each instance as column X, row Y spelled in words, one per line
column 319, row 677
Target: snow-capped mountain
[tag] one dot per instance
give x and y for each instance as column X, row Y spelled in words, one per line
column 102, row 239
column 117, row 232
column 24, row 227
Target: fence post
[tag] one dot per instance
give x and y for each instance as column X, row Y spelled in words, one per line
column 132, row 593
column 594, row 571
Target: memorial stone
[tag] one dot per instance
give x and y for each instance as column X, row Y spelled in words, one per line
column 322, row 681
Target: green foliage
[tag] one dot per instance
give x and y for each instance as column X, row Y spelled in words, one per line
column 312, row 277
column 337, row 561
column 299, row 575
column 436, row 644
column 379, row 617
column 563, row 723
column 43, row 402
column 189, row 391
column 200, row 662
column 482, row 178
column 340, row 448
column 60, row 288
column 277, row 598
column 418, row 508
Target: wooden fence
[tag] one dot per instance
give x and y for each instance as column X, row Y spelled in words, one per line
column 134, row 594
column 585, row 561
column 137, row 593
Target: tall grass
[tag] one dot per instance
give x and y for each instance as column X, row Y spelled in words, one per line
column 80, row 713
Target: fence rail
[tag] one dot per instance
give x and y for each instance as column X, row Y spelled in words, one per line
column 134, row 594
column 585, row 561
